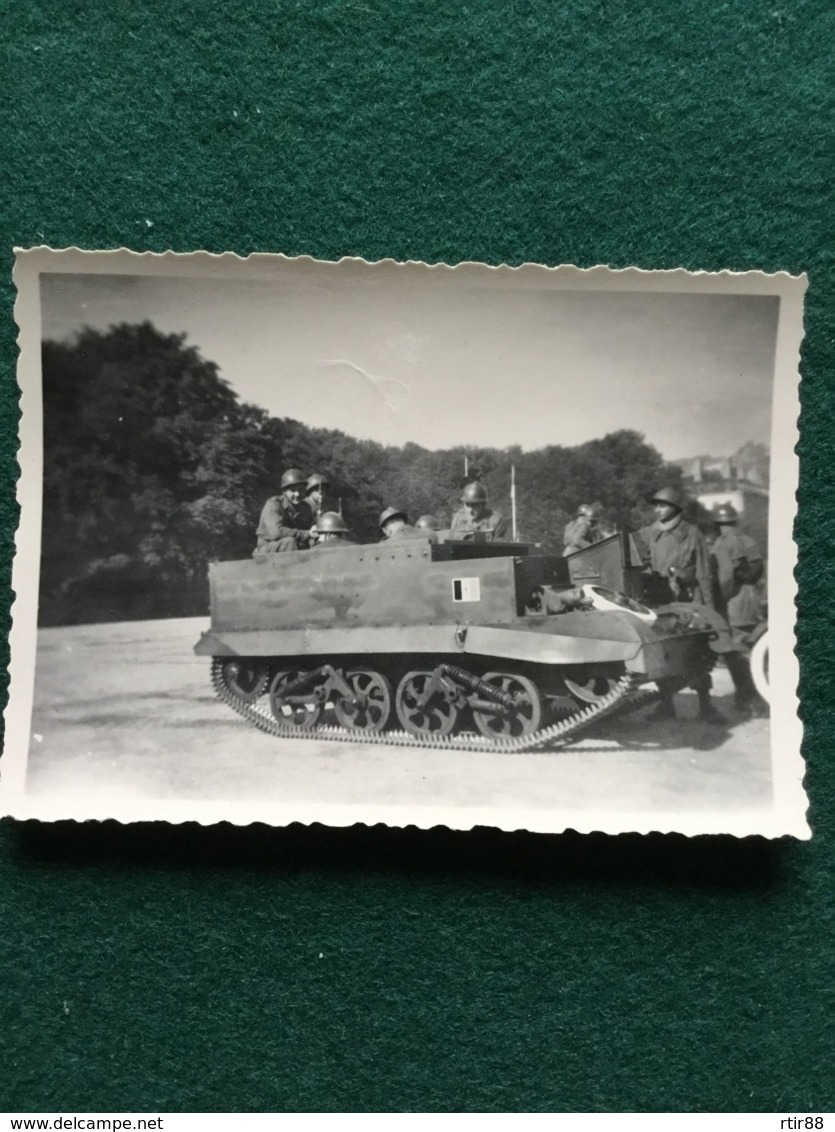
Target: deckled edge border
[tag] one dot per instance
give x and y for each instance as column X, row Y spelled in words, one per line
column 790, row 329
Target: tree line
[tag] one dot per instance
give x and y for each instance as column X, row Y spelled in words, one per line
column 153, row 467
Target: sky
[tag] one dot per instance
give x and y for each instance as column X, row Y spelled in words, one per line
column 452, row 358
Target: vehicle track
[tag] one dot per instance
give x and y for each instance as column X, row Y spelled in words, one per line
column 626, row 695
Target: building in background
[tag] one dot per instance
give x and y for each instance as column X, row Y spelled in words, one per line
column 741, row 479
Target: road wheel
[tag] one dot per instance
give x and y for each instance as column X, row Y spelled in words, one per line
column 523, row 718
column 372, row 702
column 438, row 716
column 590, row 689
column 297, row 710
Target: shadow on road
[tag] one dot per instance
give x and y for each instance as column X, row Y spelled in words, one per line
column 638, row 729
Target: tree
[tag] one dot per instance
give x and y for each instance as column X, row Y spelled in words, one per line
column 141, row 435
column 153, row 468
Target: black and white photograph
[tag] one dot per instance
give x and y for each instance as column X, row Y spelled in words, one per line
column 400, row 543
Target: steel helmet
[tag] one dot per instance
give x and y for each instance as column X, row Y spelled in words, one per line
column 391, row 513
column 428, row 523
column 669, row 495
column 726, row 513
column 292, row 478
column 474, row 492
column 317, row 481
column 331, row 523
column 588, row 510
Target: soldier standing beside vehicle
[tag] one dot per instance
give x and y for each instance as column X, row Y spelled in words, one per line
column 286, row 523
column 677, row 552
column 584, row 530
column 476, row 517
column 737, row 568
column 679, row 566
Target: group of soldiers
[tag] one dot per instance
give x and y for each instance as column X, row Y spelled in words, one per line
column 296, row 520
column 679, row 563
column 721, row 576
column 475, row 517
column 289, row 521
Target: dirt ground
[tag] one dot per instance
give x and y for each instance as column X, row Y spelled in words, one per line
column 126, row 710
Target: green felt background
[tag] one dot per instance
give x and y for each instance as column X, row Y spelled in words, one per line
column 156, row 968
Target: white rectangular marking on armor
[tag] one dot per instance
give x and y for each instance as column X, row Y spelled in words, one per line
column 466, row 589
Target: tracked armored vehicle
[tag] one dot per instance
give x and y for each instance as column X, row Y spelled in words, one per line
column 440, row 643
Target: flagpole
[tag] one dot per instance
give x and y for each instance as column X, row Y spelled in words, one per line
column 513, row 499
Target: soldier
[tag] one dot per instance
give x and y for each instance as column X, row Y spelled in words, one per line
column 427, row 523
column 584, row 530
column 316, row 489
column 331, row 532
column 677, row 559
column 677, row 552
column 737, row 567
column 395, row 525
column 476, row 516
column 286, row 523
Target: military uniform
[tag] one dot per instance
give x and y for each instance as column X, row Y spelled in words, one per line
column 283, row 526
column 738, row 566
column 676, row 553
column 492, row 524
column 678, row 546
column 579, row 534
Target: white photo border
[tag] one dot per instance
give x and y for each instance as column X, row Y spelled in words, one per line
column 788, row 813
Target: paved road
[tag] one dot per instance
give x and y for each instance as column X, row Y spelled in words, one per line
column 126, row 711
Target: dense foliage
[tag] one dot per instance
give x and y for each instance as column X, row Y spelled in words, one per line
column 153, row 468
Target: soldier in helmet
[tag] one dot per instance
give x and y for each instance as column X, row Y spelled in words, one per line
column 678, row 563
column 316, row 489
column 427, row 523
column 394, row 524
column 584, row 530
column 286, row 522
column 331, row 531
column 475, row 516
column 737, row 568
column 677, row 553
